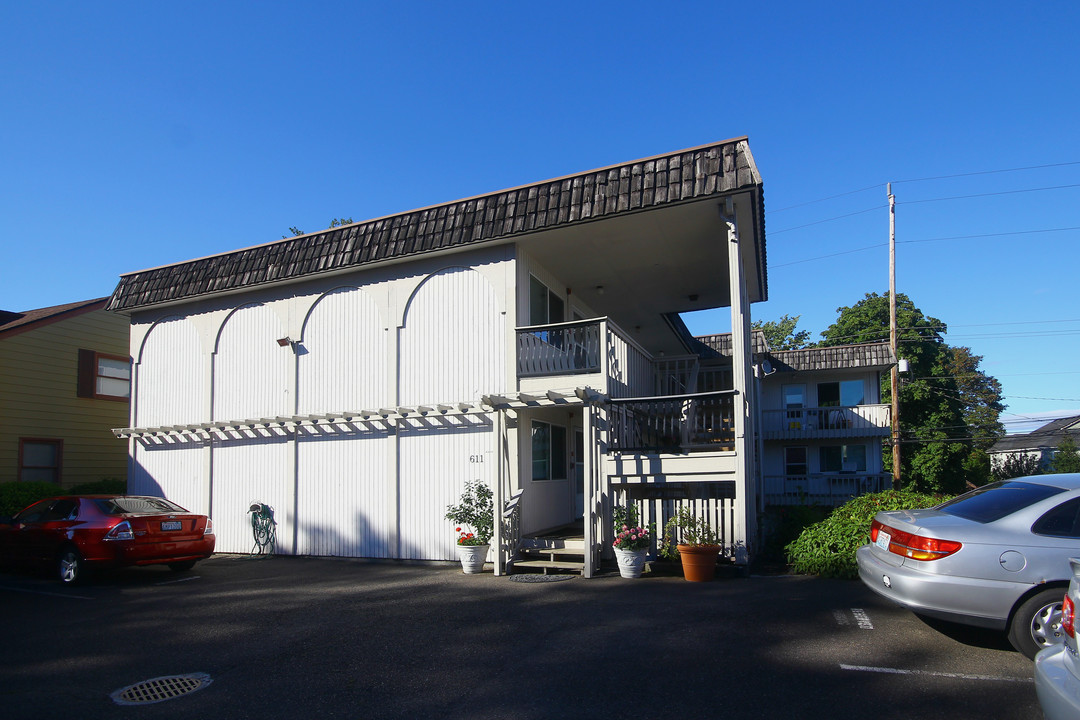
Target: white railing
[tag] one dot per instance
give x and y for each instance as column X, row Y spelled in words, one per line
column 830, row 490
column 586, row 346
column 674, row 423
column 825, row 422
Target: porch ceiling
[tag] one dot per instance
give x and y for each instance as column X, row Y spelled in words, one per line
column 653, row 262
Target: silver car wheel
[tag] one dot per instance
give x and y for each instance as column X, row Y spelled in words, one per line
column 69, row 566
column 1046, row 625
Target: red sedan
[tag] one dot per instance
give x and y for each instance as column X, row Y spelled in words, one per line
column 73, row 533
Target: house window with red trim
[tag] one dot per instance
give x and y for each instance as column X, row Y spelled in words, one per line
column 105, row 377
column 40, row 459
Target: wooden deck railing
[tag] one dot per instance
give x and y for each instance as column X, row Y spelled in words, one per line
column 673, row 423
column 829, row 490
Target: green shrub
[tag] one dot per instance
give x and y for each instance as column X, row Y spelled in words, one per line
column 14, row 496
column 827, row 548
column 108, row 486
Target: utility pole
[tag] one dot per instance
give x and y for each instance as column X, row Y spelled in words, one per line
column 895, row 372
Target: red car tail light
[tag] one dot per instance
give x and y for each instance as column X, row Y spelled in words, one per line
column 209, row 529
column 120, row 531
column 913, row 546
column 1068, row 616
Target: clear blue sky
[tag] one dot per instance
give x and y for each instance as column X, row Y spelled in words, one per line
column 137, row 134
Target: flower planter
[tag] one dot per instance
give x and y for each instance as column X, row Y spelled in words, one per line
column 631, row 562
column 699, row 561
column 472, row 557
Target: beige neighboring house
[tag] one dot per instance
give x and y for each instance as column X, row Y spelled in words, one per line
column 65, row 383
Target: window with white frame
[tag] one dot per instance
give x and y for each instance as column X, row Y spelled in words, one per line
column 843, row 393
column 842, row 458
column 545, row 307
column 548, row 451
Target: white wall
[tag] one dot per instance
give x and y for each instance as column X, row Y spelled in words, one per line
column 417, row 333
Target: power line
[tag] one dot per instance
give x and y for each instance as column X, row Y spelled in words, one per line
column 838, row 217
column 992, row 194
column 987, row 172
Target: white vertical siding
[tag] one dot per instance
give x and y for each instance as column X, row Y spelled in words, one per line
column 247, row 471
column 345, row 495
column 434, row 465
column 175, row 471
column 453, row 345
column 452, row 348
column 170, row 377
column 342, row 364
column 251, row 371
column 345, row 503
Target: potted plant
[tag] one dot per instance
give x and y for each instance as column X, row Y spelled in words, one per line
column 694, row 542
column 474, row 510
column 631, row 541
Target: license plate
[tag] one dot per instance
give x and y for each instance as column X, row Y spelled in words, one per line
column 170, row 525
column 883, row 540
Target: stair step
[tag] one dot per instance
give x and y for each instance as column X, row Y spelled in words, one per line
column 574, row 544
column 545, row 564
column 553, row 551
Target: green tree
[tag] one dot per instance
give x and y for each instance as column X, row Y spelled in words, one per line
column 781, row 335
column 1067, row 458
column 941, row 413
column 1016, row 465
column 335, row 222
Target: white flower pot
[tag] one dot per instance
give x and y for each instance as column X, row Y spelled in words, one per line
column 472, row 557
column 631, row 562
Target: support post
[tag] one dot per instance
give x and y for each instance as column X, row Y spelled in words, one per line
column 590, row 491
column 741, row 350
column 500, row 498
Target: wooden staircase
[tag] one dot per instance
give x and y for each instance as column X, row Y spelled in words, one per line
column 561, row 549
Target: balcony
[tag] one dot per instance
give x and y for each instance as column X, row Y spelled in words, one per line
column 673, row 424
column 860, row 421
column 830, row 490
column 618, row 366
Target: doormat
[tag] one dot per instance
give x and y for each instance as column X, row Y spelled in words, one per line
column 540, row 578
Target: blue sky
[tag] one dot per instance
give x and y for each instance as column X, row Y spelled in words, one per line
column 138, row 134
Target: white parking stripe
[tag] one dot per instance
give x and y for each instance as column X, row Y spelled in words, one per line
column 185, row 579
column 43, row 592
column 862, row 619
column 960, row 676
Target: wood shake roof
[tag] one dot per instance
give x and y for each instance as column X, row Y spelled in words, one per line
column 840, row 357
column 680, row 177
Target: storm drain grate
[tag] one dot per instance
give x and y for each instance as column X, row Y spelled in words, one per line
column 161, row 688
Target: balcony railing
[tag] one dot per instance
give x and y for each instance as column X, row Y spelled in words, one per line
column 596, row 346
column 559, row 349
column 825, row 422
column 674, row 423
column 830, row 490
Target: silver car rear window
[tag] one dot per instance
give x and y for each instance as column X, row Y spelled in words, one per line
column 998, row 499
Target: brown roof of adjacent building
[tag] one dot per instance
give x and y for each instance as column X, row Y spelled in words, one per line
column 1048, row 436
column 721, row 342
column 684, row 176
column 13, row 323
column 839, row 357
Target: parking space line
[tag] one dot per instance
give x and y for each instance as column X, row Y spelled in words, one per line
column 45, row 592
column 959, row 676
column 180, row 580
column 862, row 619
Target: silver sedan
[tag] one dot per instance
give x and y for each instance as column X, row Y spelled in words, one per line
column 1057, row 668
column 996, row 557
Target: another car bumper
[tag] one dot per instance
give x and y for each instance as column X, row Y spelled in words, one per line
column 971, row 601
column 1056, row 684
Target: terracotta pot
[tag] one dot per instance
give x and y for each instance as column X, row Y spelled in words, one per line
column 472, row 557
column 699, row 561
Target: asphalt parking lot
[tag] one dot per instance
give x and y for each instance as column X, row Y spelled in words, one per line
column 302, row 638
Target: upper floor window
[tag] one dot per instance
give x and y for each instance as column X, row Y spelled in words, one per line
column 794, row 396
column 39, row 460
column 845, row 393
column 107, row 377
column 545, row 307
